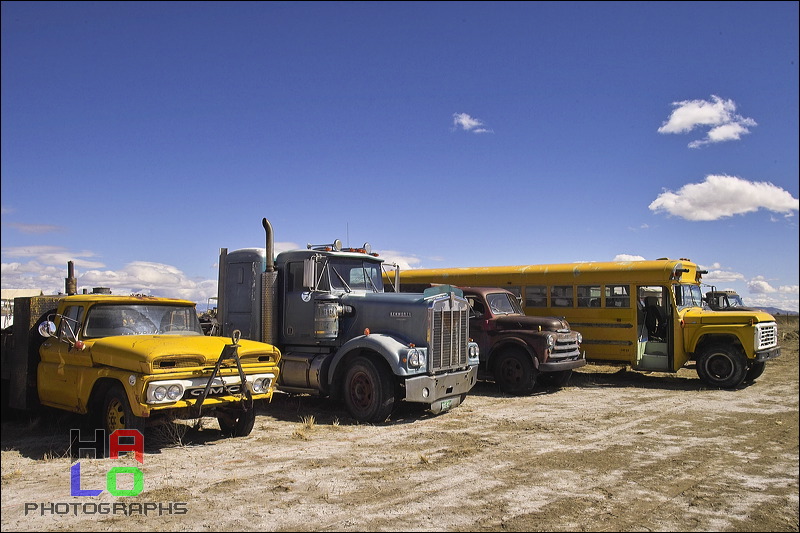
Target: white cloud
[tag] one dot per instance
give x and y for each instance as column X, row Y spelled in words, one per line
column 718, row 114
column 406, row 262
column 716, row 274
column 721, row 196
column 468, row 123
column 35, row 228
column 759, row 285
column 628, row 257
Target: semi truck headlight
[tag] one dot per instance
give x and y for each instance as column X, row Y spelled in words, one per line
column 415, row 358
column 474, row 351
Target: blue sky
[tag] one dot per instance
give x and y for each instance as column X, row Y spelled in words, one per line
column 139, row 138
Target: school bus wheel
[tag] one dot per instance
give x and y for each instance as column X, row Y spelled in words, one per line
column 722, row 366
column 755, row 371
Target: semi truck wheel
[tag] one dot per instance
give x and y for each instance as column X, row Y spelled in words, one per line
column 368, row 391
column 514, row 372
column 238, row 423
column 722, row 366
column 117, row 412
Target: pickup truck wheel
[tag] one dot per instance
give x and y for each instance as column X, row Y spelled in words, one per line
column 722, row 366
column 237, row 423
column 117, row 412
column 555, row 379
column 368, row 391
column 514, row 372
column 755, row 371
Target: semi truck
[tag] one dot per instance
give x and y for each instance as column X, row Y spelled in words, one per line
column 341, row 335
column 131, row 361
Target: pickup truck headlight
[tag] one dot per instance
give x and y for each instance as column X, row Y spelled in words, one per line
column 174, row 392
column 160, row 393
column 579, row 338
column 551, row 342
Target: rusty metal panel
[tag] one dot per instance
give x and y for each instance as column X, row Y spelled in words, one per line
column 23, row 358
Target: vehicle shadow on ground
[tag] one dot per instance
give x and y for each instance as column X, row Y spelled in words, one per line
column 45, row 434
column 301, row 408
column 627, row 378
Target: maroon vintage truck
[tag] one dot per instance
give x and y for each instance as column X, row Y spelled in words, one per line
column 519, row 351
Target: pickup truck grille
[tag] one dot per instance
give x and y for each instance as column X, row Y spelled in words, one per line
column 449, row 334
column 566, row 347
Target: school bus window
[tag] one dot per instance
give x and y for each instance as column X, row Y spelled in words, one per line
column 517, row 291
column 535, row 296
column 588, row 295
column 561, row 295
column 618, row 296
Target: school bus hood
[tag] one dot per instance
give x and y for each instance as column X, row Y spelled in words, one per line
column 530, row 323
column 697, row 315
column 160, row 353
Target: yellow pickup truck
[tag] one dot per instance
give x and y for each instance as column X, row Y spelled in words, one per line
column 131, row 361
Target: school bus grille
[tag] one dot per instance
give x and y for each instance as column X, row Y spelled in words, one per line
column 766, row 335
column 449, row 337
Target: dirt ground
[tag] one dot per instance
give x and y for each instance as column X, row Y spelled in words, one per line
column 615, row 450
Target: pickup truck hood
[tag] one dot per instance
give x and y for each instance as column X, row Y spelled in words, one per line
column 141, row 353
column 530, row 323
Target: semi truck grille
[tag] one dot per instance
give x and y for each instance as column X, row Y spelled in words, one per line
column 449, row 322
column 766, row 335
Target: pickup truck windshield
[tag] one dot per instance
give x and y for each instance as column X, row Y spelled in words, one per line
column 502, row 303
column 105, row 320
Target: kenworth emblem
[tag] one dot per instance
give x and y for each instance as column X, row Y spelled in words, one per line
column 400, row 314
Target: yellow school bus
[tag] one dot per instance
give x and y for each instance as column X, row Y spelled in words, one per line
column 648, row 314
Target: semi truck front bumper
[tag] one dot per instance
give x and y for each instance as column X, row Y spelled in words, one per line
column 434, row 389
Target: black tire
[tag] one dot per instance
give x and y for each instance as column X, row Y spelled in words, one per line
column 237, row 423
column 514, row 372
column 368, row 391
column 755, row 371
column 722, row 366
column 554, row 379
column 117, row 413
